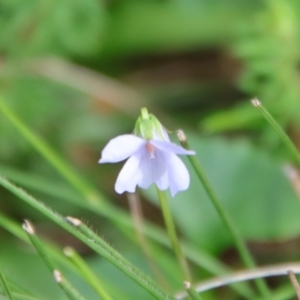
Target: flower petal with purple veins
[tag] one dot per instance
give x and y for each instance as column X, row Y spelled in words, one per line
column 179, row 178
column 170, row 147
column 121, row 148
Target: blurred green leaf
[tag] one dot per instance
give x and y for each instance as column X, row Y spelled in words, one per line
column 153, row 26
column 51, row 27
column 25, row 267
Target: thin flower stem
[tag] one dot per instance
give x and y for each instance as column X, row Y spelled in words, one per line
column 138, row 219
column 172, row 235
column 30, row 231
column 191, row 291
column 244, row 275
column 6, row 288
column 66, row 286
column 69, row 290
column 86, row 273
column 228, row 222
column 257, row 104
column 294, row 282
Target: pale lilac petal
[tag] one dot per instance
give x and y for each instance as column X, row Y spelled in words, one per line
column 164, row 137
column 162, row 181
column 152, row 168
column 121, row 148
column 165, row 134
column 129, row 175
column 145, row 169
column 170, row 147
column 179, row 178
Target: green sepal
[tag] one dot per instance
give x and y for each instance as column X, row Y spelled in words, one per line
column 147, row 125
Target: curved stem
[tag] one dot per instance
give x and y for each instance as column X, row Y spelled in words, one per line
column 257, row 104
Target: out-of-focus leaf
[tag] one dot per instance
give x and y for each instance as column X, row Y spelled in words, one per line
column 27, row 269
column 159, row 26
column 51, row 27
column 240, row 117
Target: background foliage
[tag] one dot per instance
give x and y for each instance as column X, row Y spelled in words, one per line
column 77, row 73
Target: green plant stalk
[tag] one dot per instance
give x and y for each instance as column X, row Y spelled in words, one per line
column 30, row 231
column 235, row 233
column 113, row 256
column 66, row 286
column 54, row 253
column 191, row 291
column 257, row 104
column 173, row 235
column 101, row 248
column 6, row 288
column 86, row 273
column 52, row 250
column 69, row 290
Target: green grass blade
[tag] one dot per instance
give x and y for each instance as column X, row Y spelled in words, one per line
column 6, row 287
column 101, row 249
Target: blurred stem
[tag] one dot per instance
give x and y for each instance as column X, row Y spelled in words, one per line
column 295, row 283
column 228, row 222
column 257, row 104
column 172, row 235
column 6, row 288
column 66, row 286
column 138, row 219
column 69, row 290
column 86, row 273
column 243, row 275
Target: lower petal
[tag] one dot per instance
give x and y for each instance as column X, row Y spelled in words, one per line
column 129, row 176
column 179, row 178
column 162, row 178
column 153, row 170
column 145, row 169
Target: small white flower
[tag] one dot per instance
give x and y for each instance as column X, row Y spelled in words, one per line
column 150, row 161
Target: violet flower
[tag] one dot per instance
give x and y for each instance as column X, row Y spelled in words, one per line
column 151, row 160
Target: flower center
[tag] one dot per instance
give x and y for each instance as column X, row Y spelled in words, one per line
column 151, row 149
